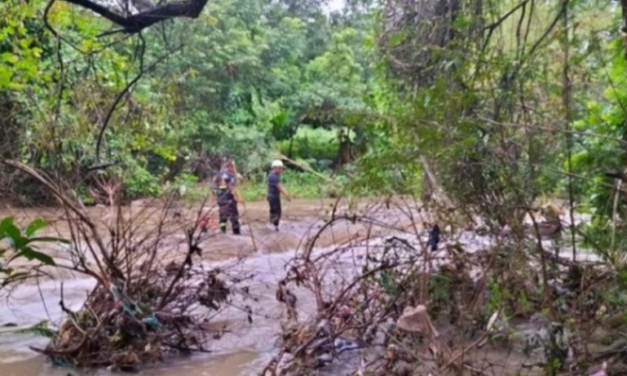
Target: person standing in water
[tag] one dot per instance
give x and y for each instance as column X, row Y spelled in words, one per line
column 275, row 189
column 227, row 198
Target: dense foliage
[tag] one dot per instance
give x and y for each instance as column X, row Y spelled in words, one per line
column 503, row 102
column 247, row 80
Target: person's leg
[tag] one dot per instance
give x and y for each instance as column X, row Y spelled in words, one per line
column 275, row 211
column 274, row 215
column 279, row 212
column 223, row 213
column 234, row 217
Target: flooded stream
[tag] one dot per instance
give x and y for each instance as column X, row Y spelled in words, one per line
column 245, row 347
column 242, row 351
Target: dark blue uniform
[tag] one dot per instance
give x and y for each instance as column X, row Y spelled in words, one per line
column 434, row 238
column 227, row 205
column 274, row 198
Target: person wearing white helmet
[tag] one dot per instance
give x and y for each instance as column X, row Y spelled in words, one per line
column 275, row 190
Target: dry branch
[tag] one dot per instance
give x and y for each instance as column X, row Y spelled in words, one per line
column 134, row 23
column 360, row 306
column 139, row 312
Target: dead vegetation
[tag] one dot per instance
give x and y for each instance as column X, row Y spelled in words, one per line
column 152, row 299
column 493, row 305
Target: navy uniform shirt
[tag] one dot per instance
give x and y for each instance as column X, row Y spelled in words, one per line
column 274, row 180
column 227, row 181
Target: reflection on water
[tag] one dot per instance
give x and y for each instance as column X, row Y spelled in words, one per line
column 237, row 364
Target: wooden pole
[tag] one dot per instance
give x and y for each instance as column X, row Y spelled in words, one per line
column 308, row 169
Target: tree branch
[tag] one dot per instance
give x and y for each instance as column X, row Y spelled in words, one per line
column 137, row 22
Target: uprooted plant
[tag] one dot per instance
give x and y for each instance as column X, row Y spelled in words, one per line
column 498, row 303
column 150, row 299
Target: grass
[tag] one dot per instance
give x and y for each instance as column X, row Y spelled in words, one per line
column 298, row 185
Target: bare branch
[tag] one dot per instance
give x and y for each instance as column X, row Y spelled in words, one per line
column 148, row 16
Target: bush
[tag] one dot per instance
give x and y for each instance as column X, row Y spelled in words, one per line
column 139, row 182
column 311, row 143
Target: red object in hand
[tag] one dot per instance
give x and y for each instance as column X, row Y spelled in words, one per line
column 206, row 222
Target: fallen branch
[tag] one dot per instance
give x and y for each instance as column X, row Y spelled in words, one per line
column 136, row 22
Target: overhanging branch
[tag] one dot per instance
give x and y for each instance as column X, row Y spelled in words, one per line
column 137, row 22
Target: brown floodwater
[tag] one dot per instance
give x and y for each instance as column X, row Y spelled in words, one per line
column 241, row 363
column 242, row 351
column 260, row 250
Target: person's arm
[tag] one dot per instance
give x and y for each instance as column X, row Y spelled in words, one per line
column 284, row 192
column 238, row 196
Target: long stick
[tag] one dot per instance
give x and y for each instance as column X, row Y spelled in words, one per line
column 308, row 169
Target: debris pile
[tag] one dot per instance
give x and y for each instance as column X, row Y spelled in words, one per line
column 407, row 307
column 126, row 325
column 142, row 308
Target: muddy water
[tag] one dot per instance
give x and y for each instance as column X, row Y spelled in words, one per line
column 28, row 306
column 246, row 347
column 235, row 364
column 242, row 351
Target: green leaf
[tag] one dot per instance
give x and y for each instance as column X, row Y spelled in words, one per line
column 10, row 58
column 9, row 230
column 5, row 223
column 31, row 254
column 35, row 226
column 386, row 282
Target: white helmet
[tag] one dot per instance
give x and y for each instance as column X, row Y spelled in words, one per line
column 277, row 163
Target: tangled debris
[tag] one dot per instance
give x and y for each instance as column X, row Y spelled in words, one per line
column 150, row 300
column 403, row 308
column 129, row 325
